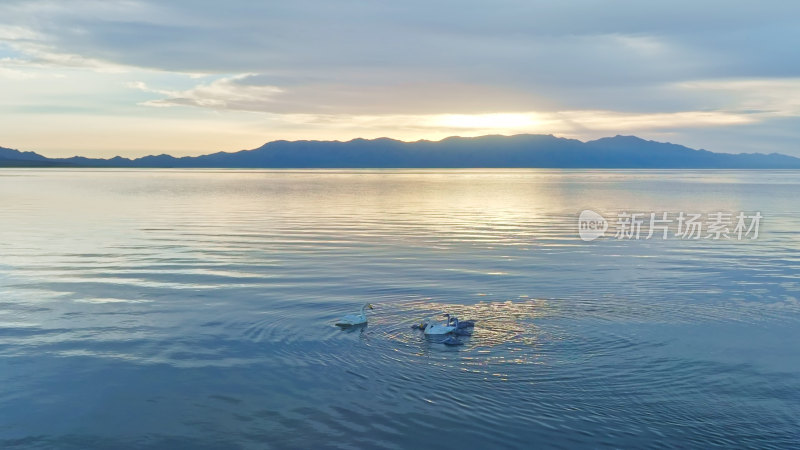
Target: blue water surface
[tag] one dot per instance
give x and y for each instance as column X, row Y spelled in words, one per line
column 195, row 309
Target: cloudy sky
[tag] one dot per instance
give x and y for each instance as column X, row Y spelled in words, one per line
column 102, row 78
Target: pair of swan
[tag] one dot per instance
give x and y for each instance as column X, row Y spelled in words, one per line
column 446, row 327
column 451, row 328
column 451, row 325
column 355, row 319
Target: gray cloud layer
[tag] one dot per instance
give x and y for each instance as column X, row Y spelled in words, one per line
column 617, row 41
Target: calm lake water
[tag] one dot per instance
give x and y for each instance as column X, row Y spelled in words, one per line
column 195, row 309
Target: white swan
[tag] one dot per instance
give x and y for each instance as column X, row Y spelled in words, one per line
column 442, row 328
column 355, row 319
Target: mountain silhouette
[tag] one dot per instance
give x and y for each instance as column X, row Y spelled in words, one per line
column 520, row 151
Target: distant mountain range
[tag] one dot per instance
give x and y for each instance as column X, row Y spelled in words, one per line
column 524, row 150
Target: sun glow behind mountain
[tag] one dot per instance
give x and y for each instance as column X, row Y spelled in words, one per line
column 505, row 122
